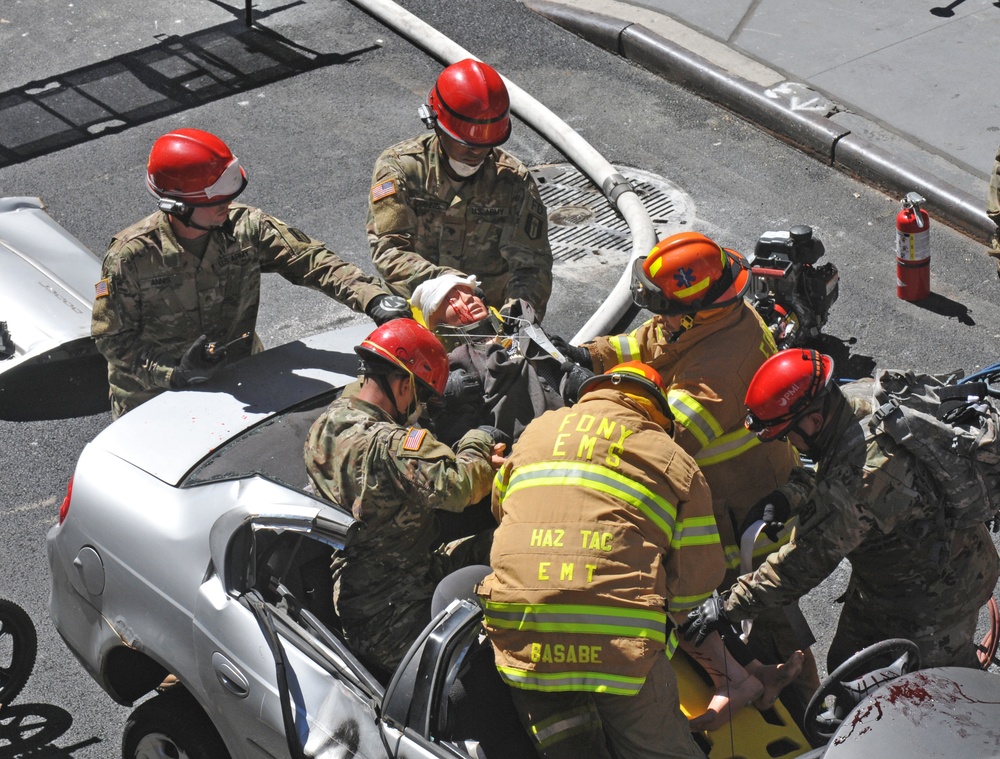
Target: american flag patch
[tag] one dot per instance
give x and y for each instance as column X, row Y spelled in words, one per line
column 101, row 289
column 414, row 438
column 384, row 190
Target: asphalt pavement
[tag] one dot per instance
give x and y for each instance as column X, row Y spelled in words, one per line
column 893, row 93
column 309, row 98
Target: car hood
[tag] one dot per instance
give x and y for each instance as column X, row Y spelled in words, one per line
column 46, row 301
column 170, row 434
column 945, row 712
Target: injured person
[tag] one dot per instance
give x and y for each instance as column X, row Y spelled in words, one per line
column 504, row 369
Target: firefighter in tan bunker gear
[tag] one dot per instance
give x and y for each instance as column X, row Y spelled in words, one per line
column 605, row 525
column 707, row 342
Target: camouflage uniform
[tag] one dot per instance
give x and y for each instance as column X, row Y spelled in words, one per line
column 392, row 478
column 910, row 577
column 993, row 209
column 421, row 224
column 156, row 298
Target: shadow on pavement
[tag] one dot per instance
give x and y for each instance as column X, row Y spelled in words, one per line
column 178, row 73
column 846, row 366
column 943, row 306
column 28, row 730
column 69, row 385
column 946, row 11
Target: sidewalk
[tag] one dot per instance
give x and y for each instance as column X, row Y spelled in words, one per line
column 897, row 95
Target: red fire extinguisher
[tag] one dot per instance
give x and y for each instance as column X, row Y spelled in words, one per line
column 913, row 249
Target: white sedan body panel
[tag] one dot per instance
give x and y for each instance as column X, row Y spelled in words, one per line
column 128, row 519
column 239, row 397
column 47, row 288
column 156, row 555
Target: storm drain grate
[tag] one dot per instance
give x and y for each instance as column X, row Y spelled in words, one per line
column 583, row 224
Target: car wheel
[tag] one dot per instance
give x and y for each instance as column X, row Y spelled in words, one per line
column 18, row 646
column 171, row 726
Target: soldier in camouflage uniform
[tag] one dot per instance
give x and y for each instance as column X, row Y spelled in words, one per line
column 452, row 201
column 993, row 209
column 911, row 577
column 362, row 455
column 193, row 269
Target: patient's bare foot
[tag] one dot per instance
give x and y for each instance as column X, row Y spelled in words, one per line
column 774, row 678
column 725, row 703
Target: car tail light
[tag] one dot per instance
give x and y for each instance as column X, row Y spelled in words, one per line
column 64, row 508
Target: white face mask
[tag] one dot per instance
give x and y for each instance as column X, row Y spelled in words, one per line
column 462, row 169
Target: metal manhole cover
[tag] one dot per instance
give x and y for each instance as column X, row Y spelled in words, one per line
column 584, row 225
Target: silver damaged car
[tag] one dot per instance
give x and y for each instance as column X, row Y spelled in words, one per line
column 187, row 545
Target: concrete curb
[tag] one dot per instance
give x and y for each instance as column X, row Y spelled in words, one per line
column 815, row 135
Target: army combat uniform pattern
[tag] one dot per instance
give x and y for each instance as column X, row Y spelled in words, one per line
column 421, row 224
column 392, row 478
column 605, row 523
column 993, row 208
column 156, row 298
column 910, row 578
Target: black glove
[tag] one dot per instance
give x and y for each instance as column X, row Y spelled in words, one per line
column 518, row 310
column 385, row 308
column 579, row 356
column 774, row 510
column 704, row 620
column 498, row 435
column 463, row 387
column 574, row 376
column 510, row 308
column 200, row 361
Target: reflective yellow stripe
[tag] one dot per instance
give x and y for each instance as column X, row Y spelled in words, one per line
column 694, row 289
column 615, row 622
column 559, row 727
column 594, row 682
column 726, row 447
column 696, row 531
column 733, row 559
column 716, row 444
column 686, row 603
column 575, row 474
column 500, row 482
column 695, row 417
column 672, row 644
column 626, row 348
